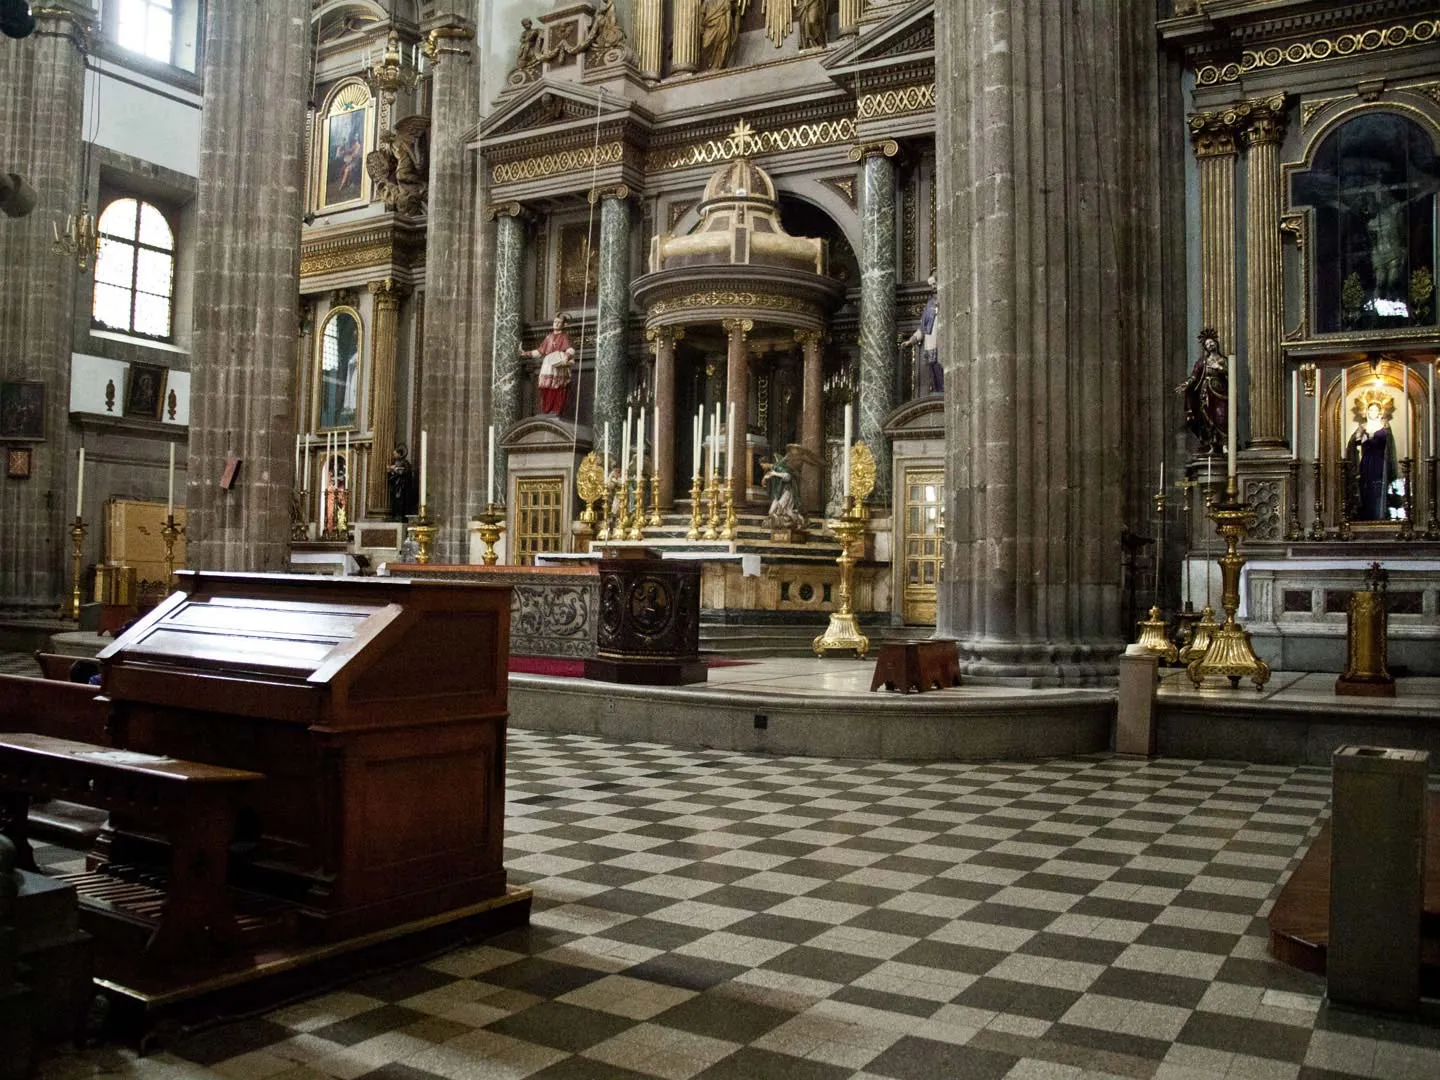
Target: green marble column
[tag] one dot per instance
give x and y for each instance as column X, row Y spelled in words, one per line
column 877, row 309
column 613, row 304
column 506, row 366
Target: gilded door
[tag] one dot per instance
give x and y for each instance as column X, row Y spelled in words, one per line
column 539, row 517
column 924, row 492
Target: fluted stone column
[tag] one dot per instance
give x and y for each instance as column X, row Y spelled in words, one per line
column 1213, row 137
column 649, row 36
column 506, row 366
column 385, row 344
column 454, row 387
column 877, row 308
column 685, row 37
column 42, row 85
column 1264, row 285
column 812, row 417
column 850, row 16
column 737, row 398
column 1049, row 288
column 247, row 285
column 664, row 339
column 613, row 308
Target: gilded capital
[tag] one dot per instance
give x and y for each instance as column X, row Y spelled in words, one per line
column 388, row 291
column 1212, row 134
column 1264, row 119
column 740, row 326
column 505, row 209
column 619, row 191
column 809, row 337
column 448, row 41
column 887, row 147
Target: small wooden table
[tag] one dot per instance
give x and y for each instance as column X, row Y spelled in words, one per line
column 921, row 665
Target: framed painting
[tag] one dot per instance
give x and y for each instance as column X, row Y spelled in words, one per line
column 344, row 142
column 145, row 390
column 22, row 410
column 577, row 269
column 17, row 462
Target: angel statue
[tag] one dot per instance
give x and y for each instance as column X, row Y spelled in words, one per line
column 399, row 168
column 781, row 478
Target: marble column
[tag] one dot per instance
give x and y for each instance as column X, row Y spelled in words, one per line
column 454, row 387
column 1050, row 289
column 1264, row 284
column 877, row 308
column 812, row 417
column 507, row 369
column 42, row 81
column 385, row 344
column 247, row 285
column 737, row 398
column 1212, row 135
column 685, row 37
column 663, row 339
column 649, row 36
column 613, row 309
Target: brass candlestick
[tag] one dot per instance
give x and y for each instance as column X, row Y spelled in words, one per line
column 728, row 531
column 712, row 520
column 77, row 546
column 1432, row 526
column 693, row 533
column 843, row 633
column 1293, row 529
column 1317, row 526
column 422, row 531
column 607, row 511
column 1152, row 629
column 637, row 517
column 492, row 524
column 1230, row 652
column 169, row 533
column 655, row 519
column 1204, row 631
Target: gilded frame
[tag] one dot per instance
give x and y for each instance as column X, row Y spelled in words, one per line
column 344, row 136
column 326, row 414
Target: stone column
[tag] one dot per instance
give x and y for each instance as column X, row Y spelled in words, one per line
column 850, row 16
column 385, row 343
column 247, row 285
column 1212, row 135
column 506, row 367
column 613, row 308
column 454, row 388
column 664, row 339
column 812, row 417
column 737, row 396
column 42, row 85
column 684, row 37
column 1264, row 285
column 1050, row 292
column 877, row 307
column 649, row 36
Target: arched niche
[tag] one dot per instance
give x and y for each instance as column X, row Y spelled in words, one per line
column 338, row 356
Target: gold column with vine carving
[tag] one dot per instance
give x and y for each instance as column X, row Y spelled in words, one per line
column 385, row 342
column 737, row 398
column 812, row 415
column 1212, row 134
column 1264, row 317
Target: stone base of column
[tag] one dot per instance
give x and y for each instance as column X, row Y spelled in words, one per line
column 1044, row 664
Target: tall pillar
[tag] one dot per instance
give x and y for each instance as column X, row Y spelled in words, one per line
column 737, row 398
column 612, row 307
column 649, row 36
column 877, row 307
column 812, row 417
column 850, row 17
column 506, row 367
column 664, row 338
column 385, row 344
column 685, row 37
column 1050, row 292
column 1213, row 137
column 1264, row 284
column 247, row 286
column 42, row 90
column 454, row 388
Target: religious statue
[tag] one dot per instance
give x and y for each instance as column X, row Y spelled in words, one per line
column 719, row 29
column 810, row 19
column 1207, row 395
column 399, row 478
column 557, row 356
column 927, row 336
column 781, row 478
column 605, row 31
column 532, row 40
column 399, row 167
column 1371, row 453
column 1385, row 226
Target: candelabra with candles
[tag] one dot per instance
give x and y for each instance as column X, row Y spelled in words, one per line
column 1230, row 653
column 77, row 550
column 422, row 530
column 843, row 632
column 169, row 533
column 394, row 71
column 636, row 530
column 492, row 523
column 1152, row 629
column 80, row 240
column 1317, row 525
column 712, row 498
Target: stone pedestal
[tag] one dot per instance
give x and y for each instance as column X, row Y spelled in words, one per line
column 1135, row 714
column 648, row 630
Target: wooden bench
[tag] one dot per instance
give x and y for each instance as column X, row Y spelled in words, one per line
column 48, row 707
column 191, row 803
column 57, row 665
column 917, row 665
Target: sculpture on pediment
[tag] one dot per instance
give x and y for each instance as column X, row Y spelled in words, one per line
column 719, row 29
column 532, row 44
column 399, row 168
column 605, row 32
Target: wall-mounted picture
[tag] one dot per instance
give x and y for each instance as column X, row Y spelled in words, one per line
column 577, row 271
column 22, row 410
column 347, row 122
column 17, row 463
column 145, row 390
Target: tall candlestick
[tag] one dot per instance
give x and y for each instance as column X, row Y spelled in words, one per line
column 1319, row 393
column 170, row 497
column 490, row 477
column 1295, row 415
column 849, row 420
column 1232, row 414
column 424, row 456
column 1344, row 412
column 80, row 483
column 640, row 446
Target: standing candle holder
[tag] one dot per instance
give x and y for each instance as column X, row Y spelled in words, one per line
column 712, row 521
column 422, row 531
column 1407, row 523
column 728, row 531
column 169, row 533
column 1294, row 530
column 492, row 524
column 1152, row 629
column 1317, row 524
column 1343, row 507
column 607, row 509
column 843, row 632
column 71, row 610
column 1432, row 526
column 655, row 519
column 636, row 530
column 1230, row 652
column 693, row 533
column 590, row 486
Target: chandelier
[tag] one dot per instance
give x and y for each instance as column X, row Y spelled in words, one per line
column 80, row 240
column 394, row 71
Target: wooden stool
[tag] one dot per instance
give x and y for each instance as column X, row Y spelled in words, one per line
column 921, row 665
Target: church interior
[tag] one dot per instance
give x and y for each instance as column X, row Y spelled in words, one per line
column 706, row 539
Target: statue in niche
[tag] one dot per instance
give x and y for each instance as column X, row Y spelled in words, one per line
column 1371, row 453
column 810, row 19
column 399, row 167
column 719, row 29
column 557, row 356
column 399, row 478
column 927, row 336
column 1384, row 222
column 1207, row 394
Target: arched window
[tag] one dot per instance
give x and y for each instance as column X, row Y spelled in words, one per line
column 339, row 369
column 341, row 148
column 135, row 273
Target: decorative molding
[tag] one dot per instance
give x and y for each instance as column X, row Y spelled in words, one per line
column 897, row 102
column 844, row 186
column 677, row 210
column 389, row 291
column 715, row 151
column 619, row 191
column 364, row 248
column 558, row 163
column 504, row 209
column 887, row 147
column 446, row 41
column 1313, row 107
column 1375, row 39
column 716, row 298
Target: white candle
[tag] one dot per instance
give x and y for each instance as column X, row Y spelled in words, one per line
column 1295, row 415
column 170, row 497
column 305, row 486
column 655, row 445
column 490, row 477
column 424, row 455
column 1209, row 463
column 1431, row 411
column 1344, row 413
column 1162, row 478
column 1403, row 404
column 625, row 444
column 1319, row 387
column 730, row 442
column 297, row 459
column 695, row 447
column 1232, row 412
column 845, row 476
column 716, row 462
column 345, row 475
column 80, row 484
column 640, row 446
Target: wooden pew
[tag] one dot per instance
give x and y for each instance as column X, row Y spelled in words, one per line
column 65, row 710
column 57, row 665
column 192, row 804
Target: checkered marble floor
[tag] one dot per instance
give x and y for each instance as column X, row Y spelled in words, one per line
column 711, row 916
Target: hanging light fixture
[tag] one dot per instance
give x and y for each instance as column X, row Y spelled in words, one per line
column 81, row 239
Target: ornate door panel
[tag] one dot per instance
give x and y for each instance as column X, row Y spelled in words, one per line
column 539, row 517
column 924, row 495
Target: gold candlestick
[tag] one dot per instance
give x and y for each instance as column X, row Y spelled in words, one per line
column 606, row 511
column 422, row 531
column 1230, row 652
column 693, row 533
column 637, row 518
column 655, row 519
column 728, row 531
column 1407, row 523
column 843, row 632
column 169, row 533
column 77, row 546
column 1293, row 529
column 1432, row 526
column 1317, row 526
column 1204, row 632
column 492, row 524
column 712, row 522
column 1344, row 533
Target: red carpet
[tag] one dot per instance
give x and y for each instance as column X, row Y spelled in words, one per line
column 567, row 668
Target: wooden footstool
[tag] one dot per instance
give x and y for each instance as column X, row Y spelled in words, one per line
column 917, row 665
